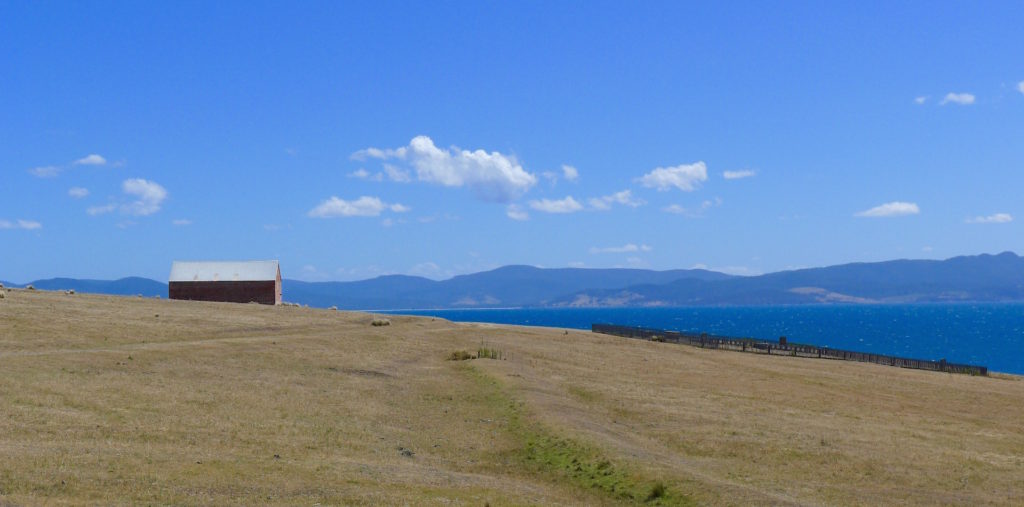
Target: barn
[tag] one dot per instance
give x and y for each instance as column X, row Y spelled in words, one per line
column 233, row 282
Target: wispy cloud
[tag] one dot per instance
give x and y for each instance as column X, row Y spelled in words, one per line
column 92, row 159
column 49, row 171
column 565, row 205
column 181, row 222
column 515, row 212
column 1020, row 86
column 101, row 210
column 624, row 198
column 365, row 206
column 738, row 175
column 685, row 177
column 570, row 173
column 627, row 248
column 705, row 205
column 363, row 174
column 148, row 195
column 920, row 100
column 396, row 174
column 78, row 192
column 890, row 209
column 492, row 176
column 27, row 225
column 963, row 99
column 997, row 218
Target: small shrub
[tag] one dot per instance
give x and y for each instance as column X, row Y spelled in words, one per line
column 2, row 294
column 459, row 355
column 30, row 287
column 657, row 491
column 333, row 308
column 380, row 322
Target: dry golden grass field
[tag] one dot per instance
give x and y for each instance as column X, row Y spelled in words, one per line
column 118, row 401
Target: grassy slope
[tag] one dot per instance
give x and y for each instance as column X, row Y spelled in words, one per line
column 108, row 400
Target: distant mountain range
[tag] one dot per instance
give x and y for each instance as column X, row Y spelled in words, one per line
column 969, row 278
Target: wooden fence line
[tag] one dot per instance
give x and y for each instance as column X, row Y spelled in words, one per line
column 782, row 347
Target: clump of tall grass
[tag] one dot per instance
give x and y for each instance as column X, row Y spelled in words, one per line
column 460, row 355
column 485, row 352
column 380, row 322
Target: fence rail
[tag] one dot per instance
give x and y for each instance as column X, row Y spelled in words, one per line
column 782, row 347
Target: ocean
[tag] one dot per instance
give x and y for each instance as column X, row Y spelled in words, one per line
column 985, row 334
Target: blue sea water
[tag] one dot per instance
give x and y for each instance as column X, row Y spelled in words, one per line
column 990, row 334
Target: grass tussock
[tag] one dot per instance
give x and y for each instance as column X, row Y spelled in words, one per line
column 460, row 355
column 490, row 353
column 380, row 322
column 483, row 352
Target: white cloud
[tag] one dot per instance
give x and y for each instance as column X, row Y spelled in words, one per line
column 566, row 205
column 516, row 213
column 378, row 153
column 492, row 176
column 570, row 173
column 396, row 174
column 920, row 100
column 737, row 175
column 101, row 210
column 149, row 196
column 963, row 99
column 1020, row 86
column 49, row 171
column 998, row 218
column 624, row 197
column 27, row 225
column 627, row 248
column 363, row 174
column 78, row 192
column 181, row 222
column 92, row 159
column 685, row 177
column 890, row 209
column 364, row 206
column 693, row 213
column 577, row 264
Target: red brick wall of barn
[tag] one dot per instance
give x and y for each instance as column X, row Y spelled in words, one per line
column 263, row 292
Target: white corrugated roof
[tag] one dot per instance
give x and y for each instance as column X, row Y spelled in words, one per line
column 218, row 271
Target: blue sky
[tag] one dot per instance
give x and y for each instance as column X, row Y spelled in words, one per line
column 353, row 140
